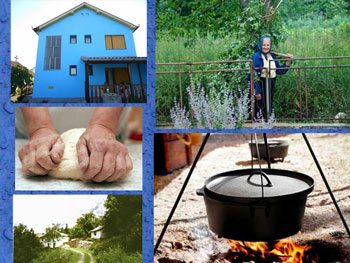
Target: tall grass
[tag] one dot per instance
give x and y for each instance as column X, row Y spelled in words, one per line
column 181, row 50
column 328, row 89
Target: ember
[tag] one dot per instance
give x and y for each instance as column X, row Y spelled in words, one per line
column 284, row 250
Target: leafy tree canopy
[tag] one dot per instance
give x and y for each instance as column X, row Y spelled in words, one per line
column 84, row 224
column 20, row 77
column 26, row 245
column 123, row 218
column 295, row 9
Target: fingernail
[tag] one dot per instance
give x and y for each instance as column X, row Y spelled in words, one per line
column 55, row 156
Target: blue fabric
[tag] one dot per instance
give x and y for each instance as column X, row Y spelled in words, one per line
column 258, row 63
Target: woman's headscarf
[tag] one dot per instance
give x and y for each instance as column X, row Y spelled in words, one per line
column 261, row 43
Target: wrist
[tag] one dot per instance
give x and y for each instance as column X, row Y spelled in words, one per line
column 102, row 128
column 38, row 130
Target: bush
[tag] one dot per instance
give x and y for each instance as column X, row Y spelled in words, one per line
column 118, row 255
column 57, row 255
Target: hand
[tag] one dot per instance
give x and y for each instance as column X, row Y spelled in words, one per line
column 101, row 157
column 289, row 57
column 258, row 96
column 42, row 153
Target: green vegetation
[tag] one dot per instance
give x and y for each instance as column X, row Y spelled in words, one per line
column 26, row 246
column 57, row 255
column 122, row 222
column 84, row 224
column 20, row 78
column 302, row 28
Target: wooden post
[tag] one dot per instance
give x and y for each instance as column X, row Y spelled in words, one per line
column 144, row 94
column 138, row 67
column 99, row 93
column 87, row 98
column 130, row 79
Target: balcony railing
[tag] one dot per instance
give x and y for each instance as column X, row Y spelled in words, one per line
column 123, row 93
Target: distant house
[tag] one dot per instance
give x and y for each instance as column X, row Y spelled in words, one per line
column 58, row 242
column 96, row 233
column 85, row 51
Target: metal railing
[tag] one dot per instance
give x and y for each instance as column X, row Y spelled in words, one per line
column 251, row 69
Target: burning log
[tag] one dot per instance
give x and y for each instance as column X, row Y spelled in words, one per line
column 284, row 250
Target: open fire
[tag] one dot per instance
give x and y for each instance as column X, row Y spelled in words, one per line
column 285, row 250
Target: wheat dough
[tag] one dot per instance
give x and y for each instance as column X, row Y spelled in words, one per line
column 69, row 165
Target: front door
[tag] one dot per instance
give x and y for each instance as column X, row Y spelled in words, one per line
column 116, row 76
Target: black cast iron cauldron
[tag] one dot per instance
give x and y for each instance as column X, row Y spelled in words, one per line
column 277, row 149
column 236, row 209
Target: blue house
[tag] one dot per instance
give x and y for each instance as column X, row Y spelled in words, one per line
column 87, row 53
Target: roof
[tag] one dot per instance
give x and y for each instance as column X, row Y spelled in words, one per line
column 96, row 229
column 82, row 5
column 113, row 59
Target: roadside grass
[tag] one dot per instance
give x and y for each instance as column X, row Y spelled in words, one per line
column 327, row 89
column 57, row 255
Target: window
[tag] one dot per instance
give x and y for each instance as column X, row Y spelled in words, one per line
column 73, row 39
column 88, row 39
column 115, row 42
column 90, row 72
column 73, row 70
column 52, row 53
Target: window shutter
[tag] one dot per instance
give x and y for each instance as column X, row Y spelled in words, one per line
column 52, row 58
column 108, row 40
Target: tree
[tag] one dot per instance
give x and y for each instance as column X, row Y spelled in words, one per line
column 84, row 224
column 20, row 77
column 26, row 244
column 123, row 218
column 52, row 234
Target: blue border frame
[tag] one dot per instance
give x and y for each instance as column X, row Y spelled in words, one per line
column 7, row 139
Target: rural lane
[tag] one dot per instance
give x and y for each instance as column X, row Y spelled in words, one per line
column 77, row 251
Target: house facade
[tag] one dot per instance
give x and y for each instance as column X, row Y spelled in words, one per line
column 86, row 47
column 58, row 242
column 96, row 233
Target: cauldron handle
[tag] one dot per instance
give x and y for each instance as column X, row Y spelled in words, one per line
column 269, row 184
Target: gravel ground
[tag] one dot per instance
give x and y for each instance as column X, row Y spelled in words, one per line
column 188, row 238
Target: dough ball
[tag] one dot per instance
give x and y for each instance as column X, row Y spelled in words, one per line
column 69, row 165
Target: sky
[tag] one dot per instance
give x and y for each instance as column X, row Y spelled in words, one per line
column 26, row 14
column 41, row 211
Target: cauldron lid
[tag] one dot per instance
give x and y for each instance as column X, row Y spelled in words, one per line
column 240, row 186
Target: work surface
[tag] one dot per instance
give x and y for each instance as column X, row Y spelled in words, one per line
column 132, row 182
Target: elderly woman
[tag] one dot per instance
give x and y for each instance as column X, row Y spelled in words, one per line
column 264, row 87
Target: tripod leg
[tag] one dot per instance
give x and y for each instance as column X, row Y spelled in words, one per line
column 327, row 185
column 181, row 192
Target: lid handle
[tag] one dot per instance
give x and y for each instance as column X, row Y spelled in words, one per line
column 269, row 184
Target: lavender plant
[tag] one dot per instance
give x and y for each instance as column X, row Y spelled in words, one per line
column 261, row 123
column 222, row 109
column 179, row 116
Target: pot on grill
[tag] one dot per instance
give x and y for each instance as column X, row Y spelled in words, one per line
column 256, row 205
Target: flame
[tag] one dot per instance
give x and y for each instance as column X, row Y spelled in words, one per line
column 286, row 249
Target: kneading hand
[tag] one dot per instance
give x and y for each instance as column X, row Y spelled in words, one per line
column 42, row 153
column 101, row 156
